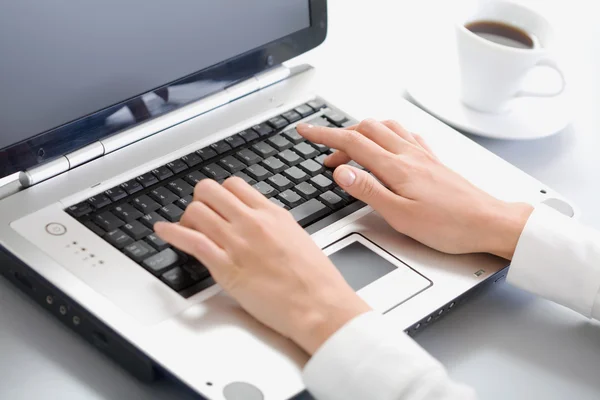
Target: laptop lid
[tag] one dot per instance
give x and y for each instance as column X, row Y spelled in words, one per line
column 72, row 75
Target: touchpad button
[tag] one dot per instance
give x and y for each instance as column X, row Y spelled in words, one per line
column 379, row 278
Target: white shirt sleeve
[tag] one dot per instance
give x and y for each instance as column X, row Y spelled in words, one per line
column 559, row 259
column 369, row 359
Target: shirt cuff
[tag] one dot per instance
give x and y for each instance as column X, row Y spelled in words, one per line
column 559, row 259
column 369, row 358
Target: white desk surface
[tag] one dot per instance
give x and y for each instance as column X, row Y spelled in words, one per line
column 505, row 343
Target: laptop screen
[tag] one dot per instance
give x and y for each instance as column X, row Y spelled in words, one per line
column 61, row 61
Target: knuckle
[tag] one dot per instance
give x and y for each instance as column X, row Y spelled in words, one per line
column 367, row 124
column 370, row 188
column 351, row 138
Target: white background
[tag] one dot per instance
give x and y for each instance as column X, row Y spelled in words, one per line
column 506, row 343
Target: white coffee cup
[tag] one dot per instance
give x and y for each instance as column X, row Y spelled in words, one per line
column 493, row 74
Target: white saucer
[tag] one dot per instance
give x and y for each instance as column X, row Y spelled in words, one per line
column 434, row 86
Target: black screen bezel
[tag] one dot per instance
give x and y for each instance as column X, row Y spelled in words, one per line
column 53, row 143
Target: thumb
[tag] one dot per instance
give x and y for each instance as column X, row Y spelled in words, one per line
column 364, row 187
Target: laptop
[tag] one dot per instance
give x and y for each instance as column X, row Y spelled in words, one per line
column 111, row 112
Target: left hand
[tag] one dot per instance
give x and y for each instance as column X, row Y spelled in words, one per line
column 258, row 253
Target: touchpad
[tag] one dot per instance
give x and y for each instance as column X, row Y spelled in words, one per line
column 382, row 280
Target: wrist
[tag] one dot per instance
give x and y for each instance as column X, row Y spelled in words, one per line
column 504, row 227
column 319, row 322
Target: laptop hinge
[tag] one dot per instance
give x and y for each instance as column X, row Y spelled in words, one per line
column 98, row 149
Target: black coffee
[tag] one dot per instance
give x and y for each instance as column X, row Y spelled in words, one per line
column 501, row 33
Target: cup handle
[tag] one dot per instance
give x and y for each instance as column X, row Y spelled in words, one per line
column 546, row 62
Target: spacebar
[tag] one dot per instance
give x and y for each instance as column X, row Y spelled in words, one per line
column 309, row 212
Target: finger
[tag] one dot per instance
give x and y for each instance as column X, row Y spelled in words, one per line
column 336, row 159
column 202, row 218
column 246, row 193
column 382, row 135
column 423, row 144
column 225, row 203
column 400, row 131
column 358, row 147
column 364, row 187
column 194, row 243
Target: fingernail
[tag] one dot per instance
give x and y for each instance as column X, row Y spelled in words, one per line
column 346, row 177
column 305, row 126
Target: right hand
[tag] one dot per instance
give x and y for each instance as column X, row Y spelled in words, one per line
column 422, row 198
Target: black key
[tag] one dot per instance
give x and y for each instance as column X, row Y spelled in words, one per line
column 116, row 193
column 139, row 251
column 328, row 173
column 108, row 221
column 336, row 118
column 296, row 175
column 235, row 141
column 220, row 147
column 132, row 186
column 194, row 177
column 245, row 177
column 293, row 136
column 343, row 194
column 321, row 158
column 279, row 142
column 305, row 150
column 274, row 165
column 150, row 219
column 99, row 201
column 162, row 261
column 177, row 166
column 265, row 189
column 145, row 204
column 196, row 269
column 316, row 104
column 163, row 196
column 178, row 279
column 320, row 121
column 307, row 213
column 304, row 110
column 118, row 239
column 322, row 183
column 232, row 164
column 136, row 230
column 262, row 129
column 278, row 122
column 171, row 212
column 79, row 210
column 206, row 153
column 289, row 157
column 180, row 188
column 280, row 182
column 311, row 167
column 331, row 200
column 184, row 202
column 249, row 135
column 290, row 198
column 215, row 172
column 278, row 202
column 292, row 116
column 127, row 212
column 263, row 149
column 307, row 190
column 156, row 242
column 248, row 156
column 321, row 148
column 258, row 172
column 94, row 228
column 147, row 179
column 162, row 173
column 192, row 159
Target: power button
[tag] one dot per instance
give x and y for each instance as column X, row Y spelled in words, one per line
column 56, row 229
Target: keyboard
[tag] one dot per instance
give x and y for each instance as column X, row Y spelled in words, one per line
column 270, row 156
